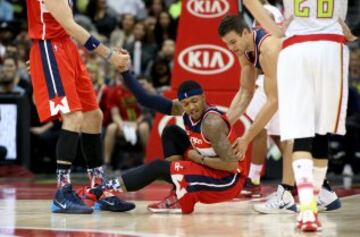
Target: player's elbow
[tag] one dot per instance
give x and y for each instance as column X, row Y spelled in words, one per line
column 70, row 26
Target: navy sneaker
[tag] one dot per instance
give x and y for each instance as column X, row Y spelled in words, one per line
column 67, row 201
column 103, row 199
column 113, row 204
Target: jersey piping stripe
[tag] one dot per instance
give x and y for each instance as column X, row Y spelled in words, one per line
column 341, row 89
column 204, row 183
column 51, row 72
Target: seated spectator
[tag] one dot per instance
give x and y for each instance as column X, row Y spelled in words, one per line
column 165, row 28
column 103, row 17
column 161, row 74
column 126, row 120
column 8, row 77
column 141, row 51
column 167, row 51
column 156, row 7
column 123, row 34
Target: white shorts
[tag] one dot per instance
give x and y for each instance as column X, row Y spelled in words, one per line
column 313, row 89
column 257, row 102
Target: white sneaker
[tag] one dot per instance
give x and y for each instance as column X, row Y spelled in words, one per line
column 280, row 201
column 328, row 200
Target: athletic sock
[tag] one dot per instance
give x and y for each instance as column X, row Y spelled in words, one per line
column 255, row 173
column 303, row 172
column 96, row 176
column 63, row 177
column 66, row 151
column 319, row 177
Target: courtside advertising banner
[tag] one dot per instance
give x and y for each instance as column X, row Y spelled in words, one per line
column 200, row 54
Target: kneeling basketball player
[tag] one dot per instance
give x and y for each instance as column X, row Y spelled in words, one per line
column 200, row 161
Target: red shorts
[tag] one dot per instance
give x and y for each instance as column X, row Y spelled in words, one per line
column 196, row 183
column 60, row 80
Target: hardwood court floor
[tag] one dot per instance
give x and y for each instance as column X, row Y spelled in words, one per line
column 24, row 211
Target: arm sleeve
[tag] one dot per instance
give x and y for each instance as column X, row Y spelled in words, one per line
column 159, row 103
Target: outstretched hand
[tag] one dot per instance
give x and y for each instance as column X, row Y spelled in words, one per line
column 240, row 146
column 120, row 59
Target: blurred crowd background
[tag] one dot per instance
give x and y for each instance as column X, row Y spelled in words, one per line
column 147, row 29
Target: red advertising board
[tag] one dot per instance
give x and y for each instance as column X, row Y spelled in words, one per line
column 200, row 54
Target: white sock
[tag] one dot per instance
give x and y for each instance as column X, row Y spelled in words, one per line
column 303, row 172
column 319, row 176
column 255, row 173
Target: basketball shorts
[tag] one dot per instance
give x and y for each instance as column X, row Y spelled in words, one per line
column 312, row 87
column 257, row 102
column 60, row 80
column 196, row 183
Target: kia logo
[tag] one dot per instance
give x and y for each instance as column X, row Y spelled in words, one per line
column 206, row 59
column 208, row 8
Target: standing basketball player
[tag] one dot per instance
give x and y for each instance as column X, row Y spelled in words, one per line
column 62, row 88
column 312, row 85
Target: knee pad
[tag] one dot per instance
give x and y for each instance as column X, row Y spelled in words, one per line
column 303, row 144
column 171, row 131
column 320, row 147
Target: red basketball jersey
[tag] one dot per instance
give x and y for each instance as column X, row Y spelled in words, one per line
column 42, row 25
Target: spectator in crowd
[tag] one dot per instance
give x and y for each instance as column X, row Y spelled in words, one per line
column 126, row 120
column 6, row 11
column 103, row 17
column 161, row 74
column 140, row 50
column 167, row 51
column 165, row 28
column 123, row 34
column 150, row 23
column 156, row 7
column 8, row 77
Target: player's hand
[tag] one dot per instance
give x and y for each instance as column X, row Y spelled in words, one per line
column 239, row 146
column 347, row 32
column 120, row 60
column 193, row 155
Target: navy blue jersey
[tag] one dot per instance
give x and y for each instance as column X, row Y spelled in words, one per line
column 197, row 138
column 253, row 56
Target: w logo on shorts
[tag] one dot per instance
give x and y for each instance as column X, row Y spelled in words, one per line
column 59, row 104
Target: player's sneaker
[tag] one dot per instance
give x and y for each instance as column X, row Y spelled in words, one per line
column 281, row 201
column 308, row 221
column 67, row 201
column 250, row 189
column 104, row 200
column 169, row 205
column 328, row 200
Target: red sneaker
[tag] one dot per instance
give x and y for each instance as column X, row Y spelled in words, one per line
column 89, row 198
column 308, row 221
column 169, row 205
column 251, row 190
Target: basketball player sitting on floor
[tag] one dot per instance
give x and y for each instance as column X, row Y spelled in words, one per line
column 200, row 162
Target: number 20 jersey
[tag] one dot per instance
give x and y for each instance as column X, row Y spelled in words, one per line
column 315, row 16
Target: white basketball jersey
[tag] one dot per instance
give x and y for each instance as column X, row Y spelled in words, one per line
column 315, row 16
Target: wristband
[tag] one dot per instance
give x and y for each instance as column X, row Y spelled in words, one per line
column 92, row 43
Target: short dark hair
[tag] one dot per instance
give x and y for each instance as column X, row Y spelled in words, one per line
column 232, row 23
column 188, row 86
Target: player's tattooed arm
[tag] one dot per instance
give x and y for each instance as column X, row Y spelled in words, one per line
column 216, row 131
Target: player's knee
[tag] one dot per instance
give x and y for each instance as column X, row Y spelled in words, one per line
column 72, row 121
column 320, row 148
column 303, row 144
column 95, row 116
column 170, row 132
